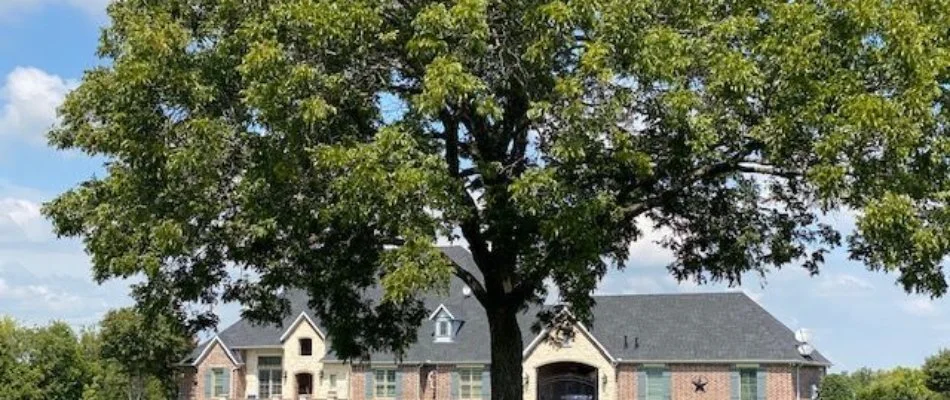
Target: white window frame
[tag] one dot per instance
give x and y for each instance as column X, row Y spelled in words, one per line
column 470, row 380
column 272, row 381
column 219, row 377
column 387, row 388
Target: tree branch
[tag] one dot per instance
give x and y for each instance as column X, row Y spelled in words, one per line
column 470, row 225
column 478, row 289
column 763, row 169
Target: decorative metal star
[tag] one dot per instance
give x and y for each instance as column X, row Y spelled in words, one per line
column 700, row 384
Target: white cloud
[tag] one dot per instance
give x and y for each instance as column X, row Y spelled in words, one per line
column 842, row 285
column 647, row 251
column 29, row 98
column 39, row 295
column 21, row 221
column 921, row 307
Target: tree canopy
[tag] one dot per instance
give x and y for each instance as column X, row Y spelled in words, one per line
column 253, row 146
column 836, row 387
column 54, row 362
column 937, row 372
column 144, row 348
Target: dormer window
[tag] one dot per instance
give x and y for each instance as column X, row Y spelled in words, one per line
column 306, row 347
column 444, row 329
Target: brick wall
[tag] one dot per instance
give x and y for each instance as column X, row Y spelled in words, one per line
column 719, row 384
column 358, row 382
column 443, row 382
column 411, row 384
column 186, row 387
column 626, row 382
column 217, row 358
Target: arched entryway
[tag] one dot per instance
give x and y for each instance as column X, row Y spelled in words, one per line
column 304, row 384
column 567, row 381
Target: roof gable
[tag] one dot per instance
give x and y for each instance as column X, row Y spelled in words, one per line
column 440, row 311
column 209, row 347
column 300, row 319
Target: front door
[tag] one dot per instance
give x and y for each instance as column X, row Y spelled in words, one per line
column 304, row 384
column 567, row 381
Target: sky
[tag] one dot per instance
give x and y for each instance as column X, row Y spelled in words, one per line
column 857, row 318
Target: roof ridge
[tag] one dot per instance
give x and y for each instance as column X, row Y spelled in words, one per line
column 720, row 293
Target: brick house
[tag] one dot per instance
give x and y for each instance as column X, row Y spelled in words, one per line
column 718, row 346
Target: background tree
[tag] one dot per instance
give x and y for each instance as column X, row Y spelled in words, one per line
column 253, row 146
column 145, row 349
column 899, row 384
column 837, row 387
column 937, row 372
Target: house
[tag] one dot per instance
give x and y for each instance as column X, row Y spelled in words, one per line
column 720, row 346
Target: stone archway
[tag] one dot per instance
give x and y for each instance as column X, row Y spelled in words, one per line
column 567, row 381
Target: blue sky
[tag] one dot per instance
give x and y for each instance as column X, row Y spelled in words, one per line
column 858, row 318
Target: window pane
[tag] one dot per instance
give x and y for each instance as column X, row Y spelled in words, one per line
column 656, row 385
column 748, row 387
column 391, row 375
column 268, row 361
column 391, row 391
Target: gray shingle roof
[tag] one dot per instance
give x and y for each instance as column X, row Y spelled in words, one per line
column 702, row 327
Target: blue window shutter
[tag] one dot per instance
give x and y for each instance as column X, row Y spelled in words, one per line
column 666, row 384
column 369, row 377
column 486, row 383
column 209, row 382
column 455, row 385
column 641, row 385
column 398, row 384
column 761, row 382
column 734, row 378
column 227, row 382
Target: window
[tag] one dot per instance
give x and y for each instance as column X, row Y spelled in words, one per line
column 306, row 347
column 385, row 383
column 333, row 380
column 443, row 328
column 219, row 383
column 470, row 383
column 269, row 375
column 657, row 386
column 748, row 384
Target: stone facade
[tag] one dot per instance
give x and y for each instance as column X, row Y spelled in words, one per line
column 582, row 349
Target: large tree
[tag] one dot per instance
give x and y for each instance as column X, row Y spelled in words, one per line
column 325, row 145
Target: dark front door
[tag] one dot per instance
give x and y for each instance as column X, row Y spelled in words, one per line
column 567, row 381
column 304, row 384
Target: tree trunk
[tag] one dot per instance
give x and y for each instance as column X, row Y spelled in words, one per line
column 506, row 348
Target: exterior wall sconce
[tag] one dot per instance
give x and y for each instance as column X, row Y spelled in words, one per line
column 603, row 380
column 527, row 378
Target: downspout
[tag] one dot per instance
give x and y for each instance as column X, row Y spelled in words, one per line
column 798, row 381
